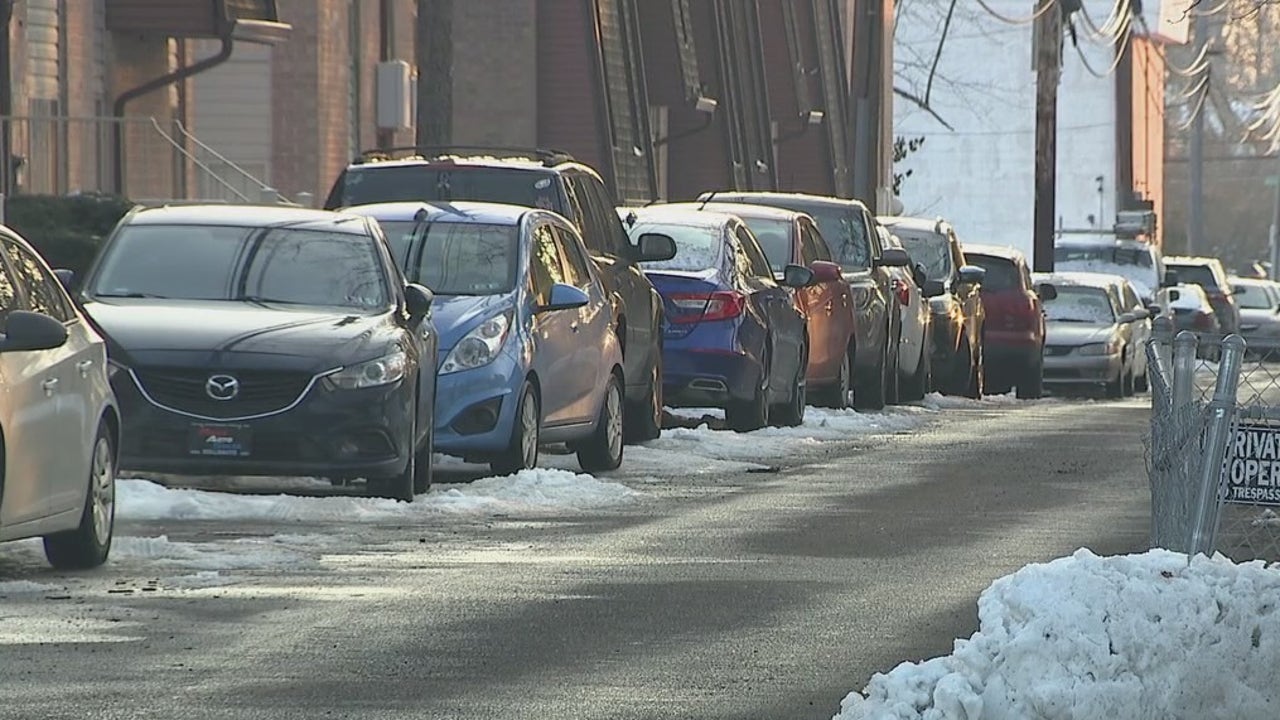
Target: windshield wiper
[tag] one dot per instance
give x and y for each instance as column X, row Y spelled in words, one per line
column 261, row 300
column 131, row 295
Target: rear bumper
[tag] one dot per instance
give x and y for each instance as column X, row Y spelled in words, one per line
column 1082, row 369
column 707, row 378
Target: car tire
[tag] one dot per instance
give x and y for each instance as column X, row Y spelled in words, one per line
column 423, row 469
column 1115, row 388
column 602, row 451
column 836, row 396
column 753, row 414
column 791, row 413
column 1031, row 384
column 917, row 385
column 521, row 452
column 89, row 544
column 1127, row 382
column 642, row 421
column 868, row 393
column 403, row 485
column 975, row 385
column 893, row 357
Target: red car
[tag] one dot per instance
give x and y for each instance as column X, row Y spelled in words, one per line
column 1013, row 335
column 793, row 238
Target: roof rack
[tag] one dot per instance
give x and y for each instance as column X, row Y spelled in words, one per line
column 548, row 156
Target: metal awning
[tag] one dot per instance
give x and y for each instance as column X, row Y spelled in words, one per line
column 256, row 21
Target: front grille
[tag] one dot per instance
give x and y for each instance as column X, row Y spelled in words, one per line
column 260, row 391
column 1057, row 350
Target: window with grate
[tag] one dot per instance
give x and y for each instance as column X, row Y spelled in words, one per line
column 687, row 48
column 623, row 89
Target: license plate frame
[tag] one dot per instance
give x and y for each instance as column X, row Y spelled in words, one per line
column 220, row 440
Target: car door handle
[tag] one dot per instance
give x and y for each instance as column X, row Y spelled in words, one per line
column 49, row 385
column 83, row 366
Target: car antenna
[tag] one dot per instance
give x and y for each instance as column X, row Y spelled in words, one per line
column 709, row 196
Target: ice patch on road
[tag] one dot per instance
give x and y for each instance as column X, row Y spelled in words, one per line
column 536, row 491
column 239, row 554
column 1137, row 636
column 24, row 587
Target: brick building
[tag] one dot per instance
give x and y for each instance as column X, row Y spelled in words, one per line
column 666, row 99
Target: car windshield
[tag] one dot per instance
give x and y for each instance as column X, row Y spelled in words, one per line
column 513, row 186
column 929, row 249
column 775, row 239
column 1253, row 297
column 459, row 258
column 1201, row 275
column 1080, row 305
column 697, row 247
column 287, row 265
column 1134, row 264
column 1001, row 274
column 847, row 238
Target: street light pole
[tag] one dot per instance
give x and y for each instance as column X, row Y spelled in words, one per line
column 1195, row 211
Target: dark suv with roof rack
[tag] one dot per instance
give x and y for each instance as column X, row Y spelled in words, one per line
column 551, row 180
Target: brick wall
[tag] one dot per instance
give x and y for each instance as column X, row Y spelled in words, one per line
column 150, row 160
column 84, row 93
column 295, row 91
column 495, row 48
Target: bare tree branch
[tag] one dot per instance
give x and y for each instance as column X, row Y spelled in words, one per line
column 922, row 104
column 937, row 55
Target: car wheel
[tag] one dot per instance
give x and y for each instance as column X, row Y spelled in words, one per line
column 522, row 451
column 643, row 420
column 791, row 413
column 892, row 358
column 1127, row 382
column 603, row 450
column 977, row 376
column 88, row 545
column 1115, row 388
column 423, row 470
column 401, row 486
column 1031, row 384
column 868, row 393
column 752, row 414
column 837, row 396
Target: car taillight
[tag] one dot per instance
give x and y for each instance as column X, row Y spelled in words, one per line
column 718, row 305
column 1202, row 320
column 902, row 292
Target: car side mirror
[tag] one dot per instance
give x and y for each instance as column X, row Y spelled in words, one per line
column 564, row 297
column 655, row 247
column 1047, row 291
column 67, row 278
column 972, row 274
column 29, row 331
column 933, row 288
column 824, row 272
column 797, row 276
column 894, row 257
column 1170, row 279
column 417, row 302
column 1126, row 318
column 1154, row 310
column 920, row 275
column 1175, row 295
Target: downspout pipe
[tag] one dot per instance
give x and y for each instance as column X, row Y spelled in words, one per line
column 123, row 99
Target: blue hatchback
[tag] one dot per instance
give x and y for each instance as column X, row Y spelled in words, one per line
column 528, row 352
column 732, row 337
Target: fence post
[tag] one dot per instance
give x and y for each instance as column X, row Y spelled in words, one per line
column 1184, row 367
column 3, row 203
column 1221, row 416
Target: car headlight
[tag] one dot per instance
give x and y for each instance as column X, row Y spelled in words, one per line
column 383, row 371
column 1111, row 347
column 478, row 347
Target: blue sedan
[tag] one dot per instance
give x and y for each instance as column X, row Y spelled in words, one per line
column 529, row 354
column 733, row 337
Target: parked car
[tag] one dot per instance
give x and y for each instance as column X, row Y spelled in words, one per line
column 1088, row 338
column 915, row 338
column 529, row 354
column 1209, row 274
column 1259, row 302
column 265, row 341
column 1140, row 328
column 849, row 229
column 550, row 180
column 1192, row 311
column 734, row 337
column 827, row 304
column 60, row 422
column 1013, row 335
column 952, row 286
column 1141, row 263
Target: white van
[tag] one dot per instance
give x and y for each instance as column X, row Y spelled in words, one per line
column 1139, row 262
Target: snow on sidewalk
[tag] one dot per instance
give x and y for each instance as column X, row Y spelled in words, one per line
column 1133, row 637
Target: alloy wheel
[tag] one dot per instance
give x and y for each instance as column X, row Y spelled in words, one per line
column 103, row 489
column 529, row 432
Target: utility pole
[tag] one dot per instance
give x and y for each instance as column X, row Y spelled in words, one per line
column 386, row 53
column 6, row 104
column 1048, row 74
column 1195, row 211
column 1273, row 237
column 434, row 56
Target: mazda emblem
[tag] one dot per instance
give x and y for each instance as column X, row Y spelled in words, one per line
column 222, row 387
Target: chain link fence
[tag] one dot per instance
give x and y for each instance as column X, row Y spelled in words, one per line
column 1213, row 456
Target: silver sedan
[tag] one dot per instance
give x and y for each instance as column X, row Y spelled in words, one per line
column 1087, row 338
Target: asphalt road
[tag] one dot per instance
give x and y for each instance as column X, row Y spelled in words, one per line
column 737, row 596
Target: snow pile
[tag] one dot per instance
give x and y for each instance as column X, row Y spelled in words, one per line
column 938, row 401
column 529, row 491
column 1138, row 636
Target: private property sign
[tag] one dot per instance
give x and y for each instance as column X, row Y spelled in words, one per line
column 1253, row 465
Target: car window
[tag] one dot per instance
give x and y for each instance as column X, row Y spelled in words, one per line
column 291, row 265
column 42, row 290
column 812, row 247
column 773, row 237
column 1131, row 300
column 467, row 258
column 399, row 234
column 1026, row 275
column 575, row 265
column 877, row 248
column 929, row 249
column 1253, row 297
column 545, row 264
column 1201, row 275
column 1002, row 274
column 577, row 211
column 697, row 247
column 1075, row 304
column 751, row 261
column 8, row 295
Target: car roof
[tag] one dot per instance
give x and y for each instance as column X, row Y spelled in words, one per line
column 1080, row 279
column 798, row 197
column 1089, row 241
column 542, row 161
column 245, row 216
column 742, row 210
column 1189, row 260
column 682, row 216
column 1000, row 251
column 913, row 223
column 456, row 212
